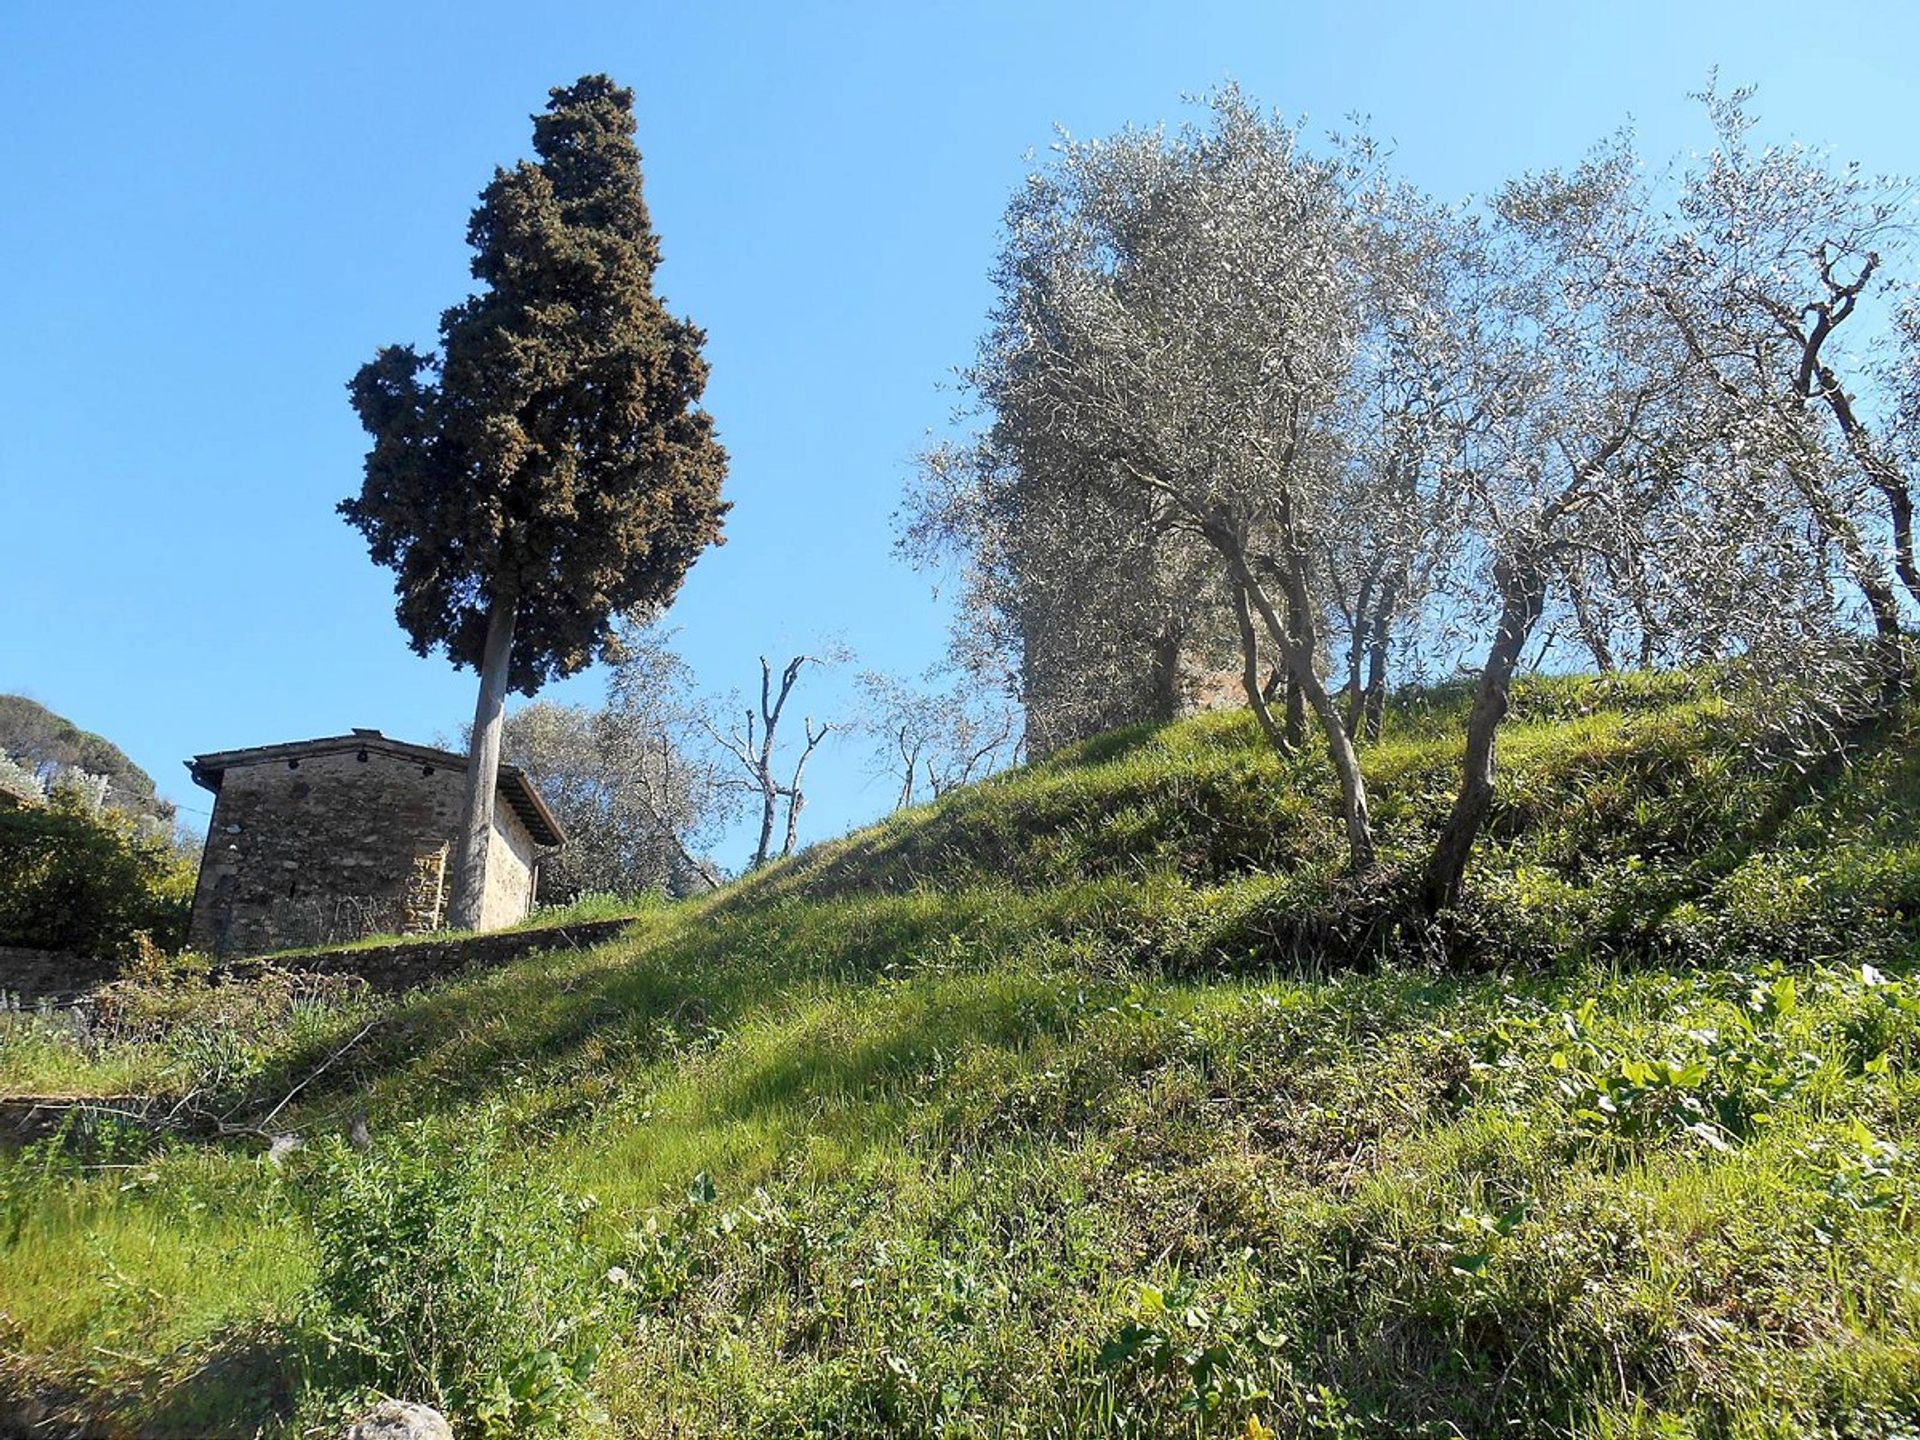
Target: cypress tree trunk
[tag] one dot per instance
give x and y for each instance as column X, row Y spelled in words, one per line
column 483, row 769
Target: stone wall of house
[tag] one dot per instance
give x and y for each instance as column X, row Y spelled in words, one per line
column 511, row 864
column 336, row 846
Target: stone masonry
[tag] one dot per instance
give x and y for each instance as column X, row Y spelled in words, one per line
column 322, row 841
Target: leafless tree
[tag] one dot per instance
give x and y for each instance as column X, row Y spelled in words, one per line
column 769, row 778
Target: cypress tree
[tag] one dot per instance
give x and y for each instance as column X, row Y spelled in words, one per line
column 548, row 468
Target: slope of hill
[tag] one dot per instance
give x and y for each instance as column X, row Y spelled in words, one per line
column 1084, row 1102
column 35, row 737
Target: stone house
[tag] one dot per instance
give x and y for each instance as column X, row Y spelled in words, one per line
column 320, row 841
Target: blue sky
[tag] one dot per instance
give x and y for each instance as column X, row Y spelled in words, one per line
column 214, row 213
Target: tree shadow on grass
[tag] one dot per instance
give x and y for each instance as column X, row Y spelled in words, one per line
column 243, row 1384
column 1788, row 790
column 624, row 1004
column 240, row 1382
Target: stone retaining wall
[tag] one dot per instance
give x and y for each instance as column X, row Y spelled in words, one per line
column 405, row 964
column 32, row 977
column 29, row 976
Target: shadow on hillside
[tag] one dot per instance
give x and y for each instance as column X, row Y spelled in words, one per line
column 1670, row 815
column 668, row 989
column 1692, row 796
column 240, row 1383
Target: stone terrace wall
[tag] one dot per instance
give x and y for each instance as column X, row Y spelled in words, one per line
column 405, row 964
column 33, row 977
column 29, row 976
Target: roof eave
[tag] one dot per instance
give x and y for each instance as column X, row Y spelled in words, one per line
column 208, row 770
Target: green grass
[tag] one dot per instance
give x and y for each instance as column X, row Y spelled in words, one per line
column 1067, row 1106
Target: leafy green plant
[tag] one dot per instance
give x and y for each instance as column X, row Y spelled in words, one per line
column 1872, row 1174
column 1711, row 1083
column 444, row 1273
column 1473, row 1237
column 1212, row 1355
column 1880, row 1025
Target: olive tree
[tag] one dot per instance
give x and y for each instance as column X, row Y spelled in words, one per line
column 636, row 806
column 1174, row 322
column 1397, row 502
column 1606, row 470
column 1778, row 257
column 1226, row 378
column 1073, row 598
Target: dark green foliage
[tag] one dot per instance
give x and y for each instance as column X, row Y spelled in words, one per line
column 93, row 883
column 45, row 742
column 552, row 453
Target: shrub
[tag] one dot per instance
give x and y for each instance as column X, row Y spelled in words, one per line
column 445, row 1274
column 19, row 783
column 76, row 878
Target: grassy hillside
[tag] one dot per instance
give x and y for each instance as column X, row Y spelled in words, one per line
column 1083, row 1102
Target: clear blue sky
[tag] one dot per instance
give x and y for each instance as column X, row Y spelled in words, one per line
column 213, row 213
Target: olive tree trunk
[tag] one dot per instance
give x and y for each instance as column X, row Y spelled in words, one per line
column 1374, row 704
column 1523, row 594
column 1293, row 636
column 1250, row 674
column 475, row 840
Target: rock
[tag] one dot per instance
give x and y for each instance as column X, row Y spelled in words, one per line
column 400, row 1420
